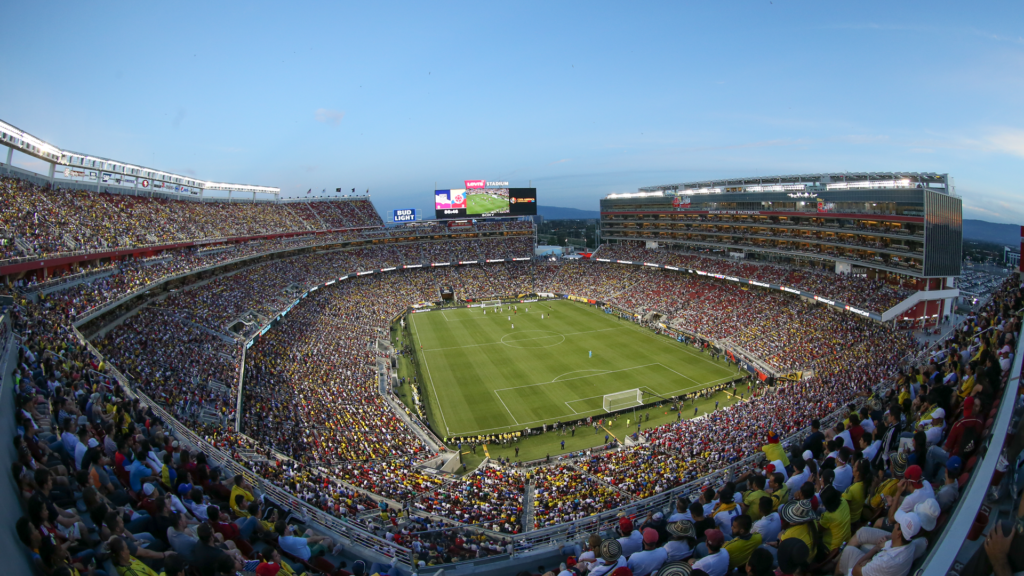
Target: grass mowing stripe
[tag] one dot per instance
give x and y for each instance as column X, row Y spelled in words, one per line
column 429, row 377
column 554, row 354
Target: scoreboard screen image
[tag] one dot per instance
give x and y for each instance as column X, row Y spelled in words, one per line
column 485, row 202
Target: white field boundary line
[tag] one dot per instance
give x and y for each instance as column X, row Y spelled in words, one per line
column 577, row 377
column 431, row 378
column 571, row 408
column 674, row 344
column 554, row 335
column 584, row 413
column 506, row 407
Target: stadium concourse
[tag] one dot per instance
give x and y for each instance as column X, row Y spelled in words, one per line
column 118, row 439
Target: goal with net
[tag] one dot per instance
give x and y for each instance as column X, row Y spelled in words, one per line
column 491, row 303
column 620, row 400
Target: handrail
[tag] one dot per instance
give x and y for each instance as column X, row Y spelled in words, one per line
column 945, row 550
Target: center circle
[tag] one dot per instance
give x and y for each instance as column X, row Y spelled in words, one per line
column 532, row 341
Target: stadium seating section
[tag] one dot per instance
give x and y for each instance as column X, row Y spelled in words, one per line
column 95, row 464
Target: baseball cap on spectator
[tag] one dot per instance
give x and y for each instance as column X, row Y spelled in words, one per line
column 953, row 465
column 650, row 536
column 714, row 537
column 267, row 569
column 910, row 524
column 913, row 474
column 939, row 413
column 808, row 455
column 769, row 469
column 611, row 550
column 675, row 569
column 570, row 562
column 148, row 489
column 93, row 443
column 657, row 517
column 928, row 511
column 793, row 553
column 622, row 571
column 184, row 489
column 625, row 526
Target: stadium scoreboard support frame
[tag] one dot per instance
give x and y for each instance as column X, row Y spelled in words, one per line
column 625, row 399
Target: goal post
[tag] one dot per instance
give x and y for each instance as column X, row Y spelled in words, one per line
column 491, row 303
column 626, row 399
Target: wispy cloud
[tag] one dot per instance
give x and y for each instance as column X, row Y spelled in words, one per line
column 562, row 161
column 1009, row 141
column 328, row 116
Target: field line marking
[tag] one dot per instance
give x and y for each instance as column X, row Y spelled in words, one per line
column 575, row 371
column 445, row 316
column 678, row 373
column 578, row 377
column 431, row 378
column 524, row 339
column 675, row 344
column 506, row 407
column 571, row 408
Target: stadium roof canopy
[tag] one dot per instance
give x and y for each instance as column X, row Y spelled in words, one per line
column 17, row 139
column 857, row 179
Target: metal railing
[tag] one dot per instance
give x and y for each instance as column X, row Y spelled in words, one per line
column 947, row 546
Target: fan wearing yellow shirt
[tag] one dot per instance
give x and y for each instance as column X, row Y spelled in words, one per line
column 779, row 491
column 241, row 487
column 753, row 497
column 856, row 494
column 743, row 543
column 798, row 521
column 835, row 522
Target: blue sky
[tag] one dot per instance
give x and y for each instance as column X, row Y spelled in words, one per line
column 579, row 99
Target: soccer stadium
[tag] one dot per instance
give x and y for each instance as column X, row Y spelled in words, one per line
column 773, row 372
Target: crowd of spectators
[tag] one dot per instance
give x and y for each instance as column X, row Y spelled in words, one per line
column 310, row 393
column 41, row 221
column 856, row 290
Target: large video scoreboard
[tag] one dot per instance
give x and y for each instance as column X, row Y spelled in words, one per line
column 482, row 199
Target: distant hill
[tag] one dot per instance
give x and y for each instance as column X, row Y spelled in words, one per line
column 558, row 213
column 1005, row 234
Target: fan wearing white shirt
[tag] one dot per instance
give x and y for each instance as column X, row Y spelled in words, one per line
column 770, row 523
column 869, row 446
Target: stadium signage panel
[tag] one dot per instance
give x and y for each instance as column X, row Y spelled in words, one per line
column 467, row 262
column 329, row 283
column 364, row 273
column 752, row 212
column 672, row 268
column 474, row 184
column 654, row 265
column 858, row 311
column 790, row 290
column 413, row 266
column 440, row 263
column 405, row 215
column 343, row 278
column 761, row 284
column 520, row 259
column 603, row 260
column 825, row 300
column 387, row 269
column 732, row 279
column 623, row 261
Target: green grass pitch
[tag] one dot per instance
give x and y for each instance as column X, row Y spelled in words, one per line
column 481, row 376
column 484, row 204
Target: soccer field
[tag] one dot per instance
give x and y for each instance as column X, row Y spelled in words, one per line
column 484, row 204
column 481, row 375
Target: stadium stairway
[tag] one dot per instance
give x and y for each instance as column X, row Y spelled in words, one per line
column 528, row 501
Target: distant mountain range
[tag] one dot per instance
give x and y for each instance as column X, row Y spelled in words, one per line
column 982, row 231
column 558, row 213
